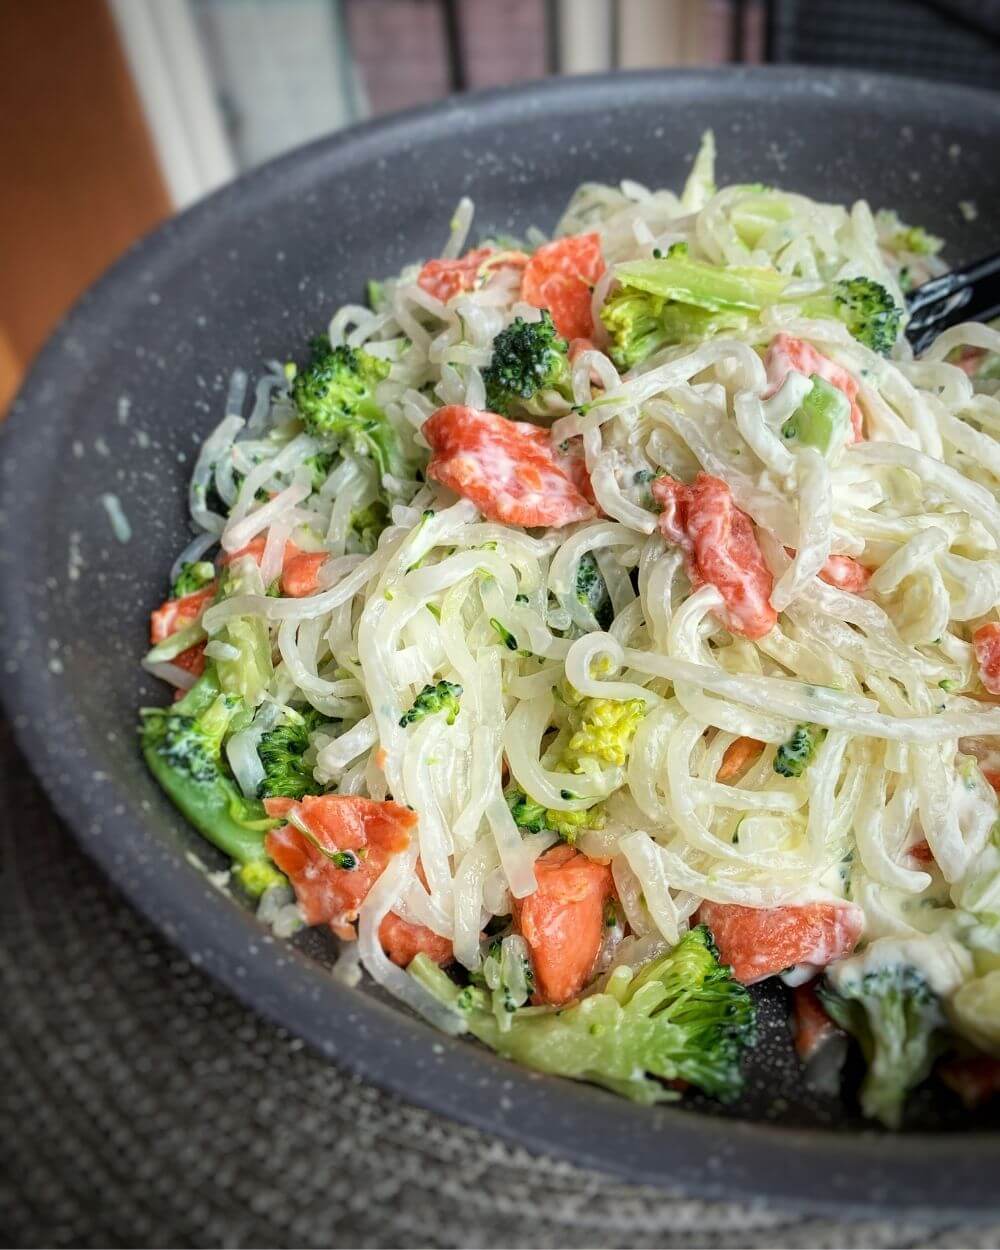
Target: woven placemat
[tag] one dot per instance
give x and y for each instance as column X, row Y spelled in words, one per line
column 141, row 1104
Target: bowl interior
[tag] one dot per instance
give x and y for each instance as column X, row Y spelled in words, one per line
column 121, row 398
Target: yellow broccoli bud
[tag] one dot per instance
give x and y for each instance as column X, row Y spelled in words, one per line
column 605, row 728
column 257, row 876
column 569, row 825
column 600, row 729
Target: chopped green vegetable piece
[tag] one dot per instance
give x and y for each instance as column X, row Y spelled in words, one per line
column 592, row 591
column 794, row 756
column 700, row 184
column 249, row 675
column 601, row 730
column 375, row 291
column 259, row 875
column 443, row 696
column 192, row 578
column 753, row 216
column 504, row 634
column 368, row 524
column 680, row 279
column 640, row 324
column 533, row 817
column 569, row 825
column 508, row 975
column 528, row 814
column 864, row 306
column 347, row 860
column 900, row 237
column 822, row 420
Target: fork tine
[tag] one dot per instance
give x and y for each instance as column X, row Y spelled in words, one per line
column 970, row 293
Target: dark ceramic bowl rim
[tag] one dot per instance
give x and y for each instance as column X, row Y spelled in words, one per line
column 663, row 1146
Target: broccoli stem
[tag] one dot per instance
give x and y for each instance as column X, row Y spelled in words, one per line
column 677, row 278
column 754, row 216
column 897, row 1020
column 680, row 1016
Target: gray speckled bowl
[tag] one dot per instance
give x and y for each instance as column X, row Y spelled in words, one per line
column 121, row 397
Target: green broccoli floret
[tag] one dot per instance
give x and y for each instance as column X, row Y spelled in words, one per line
column 320, row 465
column 528, row 357
column 533, row 817
column 182, row 745
column 508, row 975
column 681, row 1017
column 794, row 756
column 216, row 503
column 919, row 241
column 640, row 324
column 189, row 734
column 259, row 875
column 899, row 237
column 368, row 523
column 441, row 697
column 192, row 578
column 895, row 1016
column 281, row 749
column 569, row 825
column 335, row 398
column 864, row 306
column 686, row 299
column 635, row 322
column 592, row 591
column 528, row 815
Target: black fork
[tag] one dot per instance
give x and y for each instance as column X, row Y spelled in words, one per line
column 971, row 293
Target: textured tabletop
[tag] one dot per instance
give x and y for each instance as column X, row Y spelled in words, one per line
column 141, row 1104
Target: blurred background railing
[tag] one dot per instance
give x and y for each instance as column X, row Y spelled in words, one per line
column 118, row 112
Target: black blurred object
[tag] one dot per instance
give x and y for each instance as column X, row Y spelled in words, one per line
column 453, row 45
column 949, row 40
column 971, row 293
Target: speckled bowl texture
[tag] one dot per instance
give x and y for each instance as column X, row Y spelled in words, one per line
column 121, row 398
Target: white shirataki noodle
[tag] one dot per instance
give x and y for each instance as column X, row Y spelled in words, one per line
column 379, row 902
column 889, row 674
